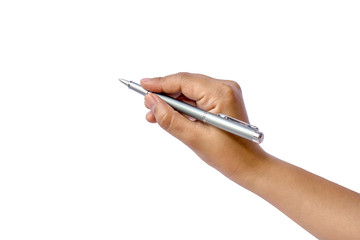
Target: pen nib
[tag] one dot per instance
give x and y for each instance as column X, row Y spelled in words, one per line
column 125, row 82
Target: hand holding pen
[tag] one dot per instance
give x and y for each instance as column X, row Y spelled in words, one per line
column 211, row 102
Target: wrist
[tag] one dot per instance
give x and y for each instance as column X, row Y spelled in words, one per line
column 251, row 167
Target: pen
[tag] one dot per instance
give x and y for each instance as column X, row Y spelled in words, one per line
column 221, row 121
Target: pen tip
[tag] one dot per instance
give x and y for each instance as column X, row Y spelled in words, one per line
column 126, row 82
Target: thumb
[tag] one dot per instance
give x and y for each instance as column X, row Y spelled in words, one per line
column 172, row 121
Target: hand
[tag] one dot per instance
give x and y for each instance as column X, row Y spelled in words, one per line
column 226, row 152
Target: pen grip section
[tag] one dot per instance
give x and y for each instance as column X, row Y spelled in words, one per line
column 184, row 107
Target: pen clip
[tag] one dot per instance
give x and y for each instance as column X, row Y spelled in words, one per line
column 238, row 121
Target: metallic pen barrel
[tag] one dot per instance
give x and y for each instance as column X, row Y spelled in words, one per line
column 236, row 127
column 221, row 121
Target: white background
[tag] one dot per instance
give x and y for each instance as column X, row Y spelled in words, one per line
column 78, row 159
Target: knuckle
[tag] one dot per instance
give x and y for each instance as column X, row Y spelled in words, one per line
column 228, row 91
column 160, row 79
column 157, row 79
column 182, row 75
column 231, row 89
column 235, row 86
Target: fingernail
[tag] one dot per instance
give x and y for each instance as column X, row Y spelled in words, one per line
column 145, row 80
column 150, row 101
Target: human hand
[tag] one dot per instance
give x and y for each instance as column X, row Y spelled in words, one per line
column 230, row 154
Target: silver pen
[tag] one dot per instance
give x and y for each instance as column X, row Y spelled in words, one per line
column 221, row 121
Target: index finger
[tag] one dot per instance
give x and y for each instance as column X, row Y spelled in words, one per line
column 193, row 86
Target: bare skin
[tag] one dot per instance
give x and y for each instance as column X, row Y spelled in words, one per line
column 323, row 208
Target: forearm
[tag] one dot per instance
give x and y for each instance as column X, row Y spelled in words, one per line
column 325, row 209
